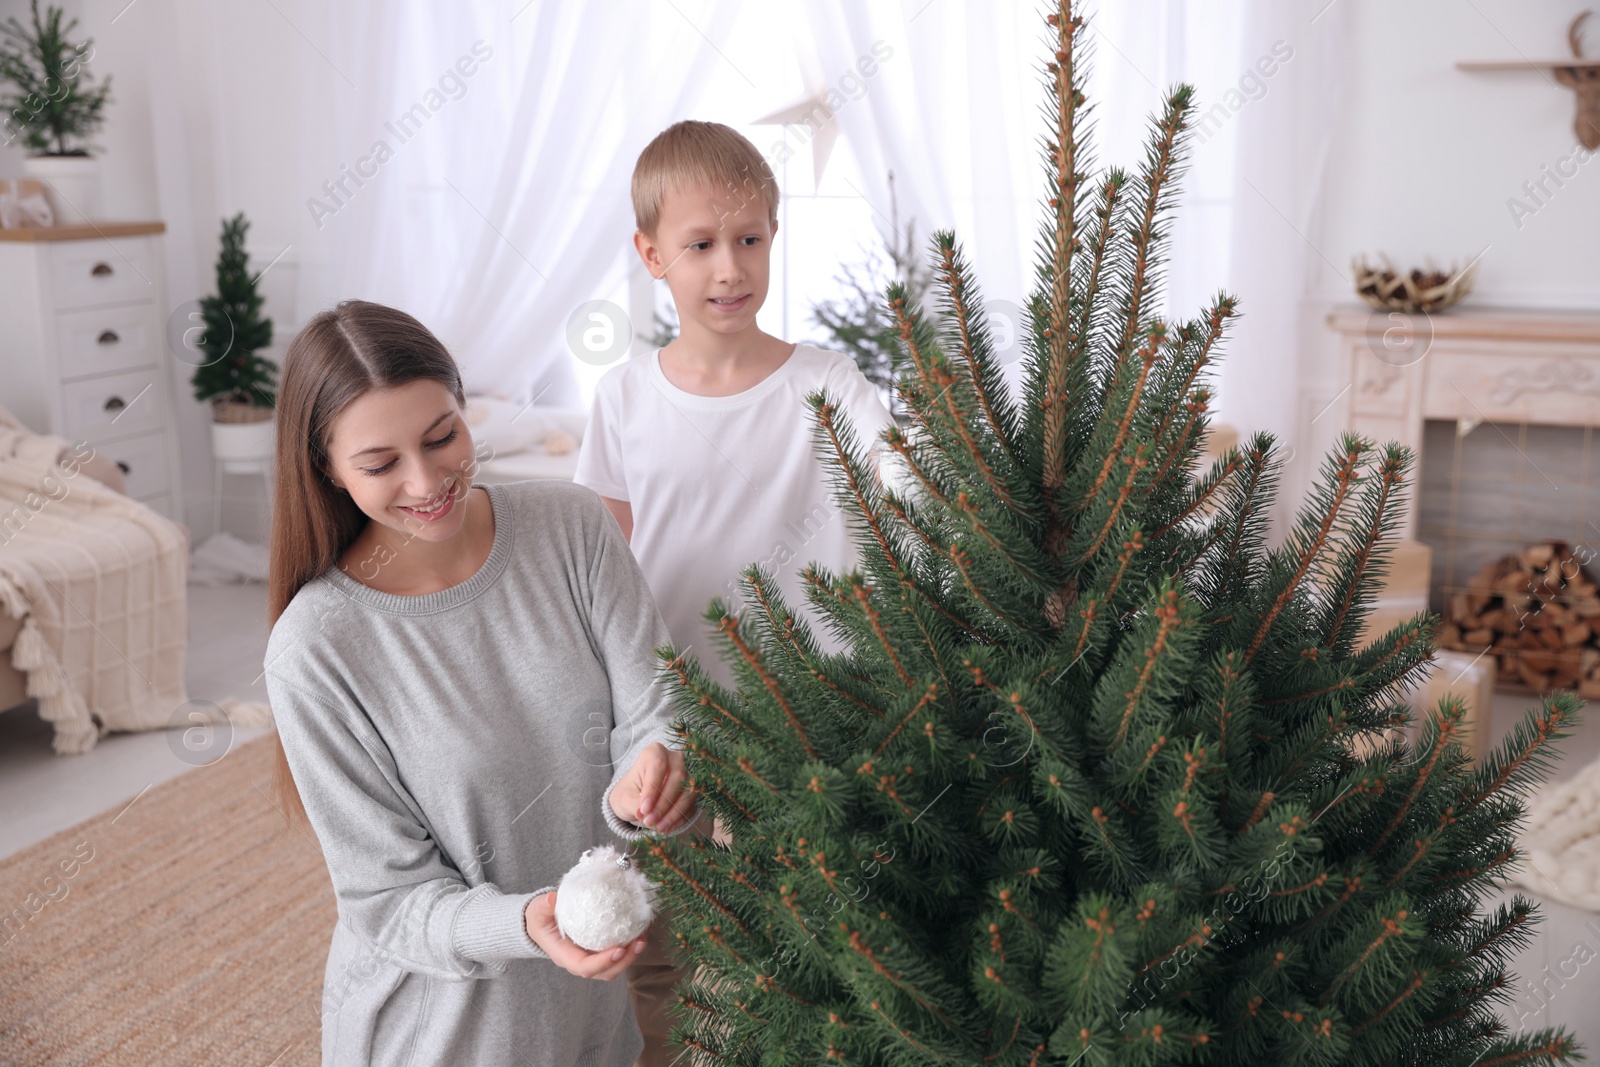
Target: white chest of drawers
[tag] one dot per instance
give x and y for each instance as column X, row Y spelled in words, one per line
column 83, row 351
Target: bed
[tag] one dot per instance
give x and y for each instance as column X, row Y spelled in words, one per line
column 13, row 682
column 94, row 586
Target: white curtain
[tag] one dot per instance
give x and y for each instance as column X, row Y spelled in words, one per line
column 1139, row 50
column 949, row 114
column 1284, row 142
column 957, row 116
column 505, row 206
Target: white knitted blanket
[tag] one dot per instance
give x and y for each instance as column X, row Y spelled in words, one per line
column 98, row 580
column 1560, row 841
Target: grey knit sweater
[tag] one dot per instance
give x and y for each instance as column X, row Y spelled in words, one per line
column 454, row 751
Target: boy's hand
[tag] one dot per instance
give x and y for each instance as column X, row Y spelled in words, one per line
column 539, row 918
column 652, row 793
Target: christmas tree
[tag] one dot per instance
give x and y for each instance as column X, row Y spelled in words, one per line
column 53, row 103
column 1102, row 778
column 235, row 330
column 857, row 323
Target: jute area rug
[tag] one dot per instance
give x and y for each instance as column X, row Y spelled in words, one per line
column 189, row 927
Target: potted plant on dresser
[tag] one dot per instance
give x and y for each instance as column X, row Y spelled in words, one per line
column 241, row 386
column 53, row 109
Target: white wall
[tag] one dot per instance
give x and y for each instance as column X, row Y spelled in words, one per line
column 1424, row 164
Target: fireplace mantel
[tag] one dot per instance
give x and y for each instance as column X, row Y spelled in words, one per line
column 1471, row 365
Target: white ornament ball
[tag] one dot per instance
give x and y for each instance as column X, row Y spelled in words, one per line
column 604, row 900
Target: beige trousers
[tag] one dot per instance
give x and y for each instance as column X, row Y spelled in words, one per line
column 652, row 978
column 650, row 982
column 652, row 975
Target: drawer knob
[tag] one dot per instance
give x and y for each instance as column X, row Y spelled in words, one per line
column 115, row 403
column 108, row 337
column 123, row 467
column 101, row 269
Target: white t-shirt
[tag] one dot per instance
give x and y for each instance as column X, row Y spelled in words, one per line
column 719, row 482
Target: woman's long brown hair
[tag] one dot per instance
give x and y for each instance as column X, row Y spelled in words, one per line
column 340, row 354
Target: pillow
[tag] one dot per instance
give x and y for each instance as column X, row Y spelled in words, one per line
column 506, row 426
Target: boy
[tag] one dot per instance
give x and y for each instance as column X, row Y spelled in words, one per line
column 704, row 449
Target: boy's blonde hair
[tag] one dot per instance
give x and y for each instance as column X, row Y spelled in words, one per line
column 691, row 153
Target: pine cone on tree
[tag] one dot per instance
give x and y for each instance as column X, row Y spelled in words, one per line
column 1101, row 777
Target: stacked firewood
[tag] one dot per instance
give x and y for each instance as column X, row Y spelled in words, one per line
column 1538, row 613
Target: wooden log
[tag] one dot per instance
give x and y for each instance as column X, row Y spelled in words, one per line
column 1512, row 578
column 1543, row 660
column 1514, row 583
column 1481, row 590
column 1538, row 682
column 1537, row 612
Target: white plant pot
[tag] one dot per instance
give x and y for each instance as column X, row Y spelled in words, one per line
column 71, row 184
column 242, row 444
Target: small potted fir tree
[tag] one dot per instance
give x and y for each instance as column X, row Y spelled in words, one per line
column 53, row 109
column 858, row 323
column 241, row 386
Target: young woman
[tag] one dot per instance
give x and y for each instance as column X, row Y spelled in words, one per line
column 443, row 658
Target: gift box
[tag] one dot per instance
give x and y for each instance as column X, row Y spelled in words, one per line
column 1469, row 676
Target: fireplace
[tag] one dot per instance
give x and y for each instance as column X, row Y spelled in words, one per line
column 1482, row 371
column 1489, row 490
column 1501, row 408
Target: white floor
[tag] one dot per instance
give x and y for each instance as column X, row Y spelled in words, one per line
column 42, row 793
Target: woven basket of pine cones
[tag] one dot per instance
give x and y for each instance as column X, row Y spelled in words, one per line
column 1426, row 289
